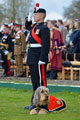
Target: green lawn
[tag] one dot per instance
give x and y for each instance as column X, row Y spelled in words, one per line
column 12, row 104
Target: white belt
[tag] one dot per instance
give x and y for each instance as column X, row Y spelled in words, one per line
column 33, row 45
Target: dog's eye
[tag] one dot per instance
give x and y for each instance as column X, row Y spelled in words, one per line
column 42, row 91
column 47, row 91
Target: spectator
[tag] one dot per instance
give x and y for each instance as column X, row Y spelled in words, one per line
column 75, row 47
column 50, row 26
column 75, row 41
column 69, row 35
column 62, row 29
column 57, row 46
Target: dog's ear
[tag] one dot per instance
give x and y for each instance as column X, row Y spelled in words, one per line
column 36, row 98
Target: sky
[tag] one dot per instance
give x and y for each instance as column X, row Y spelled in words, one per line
column 54, row 8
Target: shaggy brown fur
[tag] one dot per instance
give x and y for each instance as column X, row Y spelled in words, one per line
column 41, row 97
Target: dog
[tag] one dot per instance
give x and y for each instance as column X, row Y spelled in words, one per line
column 44, row 103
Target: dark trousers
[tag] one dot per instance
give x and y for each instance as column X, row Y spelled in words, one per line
column 38, row 75
column 5, row 63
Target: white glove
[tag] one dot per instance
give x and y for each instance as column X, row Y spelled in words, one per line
column 41, row 62
column 2, row 28
column 5, row 52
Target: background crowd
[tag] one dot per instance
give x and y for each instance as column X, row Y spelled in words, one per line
column 65, row 37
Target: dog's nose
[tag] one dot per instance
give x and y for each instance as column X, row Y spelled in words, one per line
column 46, row 97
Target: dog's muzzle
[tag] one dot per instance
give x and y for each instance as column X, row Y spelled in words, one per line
column 47, row 97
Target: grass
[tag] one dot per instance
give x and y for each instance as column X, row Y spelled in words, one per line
column 12, row 104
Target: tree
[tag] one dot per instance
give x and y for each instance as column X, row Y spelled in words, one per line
column 1, row 12
column 73, row 11
column 16, row 10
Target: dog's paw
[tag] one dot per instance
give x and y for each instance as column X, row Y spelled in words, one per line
column 43, row 111
column 33, row 112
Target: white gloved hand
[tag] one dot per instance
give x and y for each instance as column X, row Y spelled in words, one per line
column 2, row 28
column 41, row 62
column 5, row 52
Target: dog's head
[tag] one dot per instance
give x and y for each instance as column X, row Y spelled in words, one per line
column 41, row 96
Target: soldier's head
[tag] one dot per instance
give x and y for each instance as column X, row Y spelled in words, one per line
column 5, row 29
column 17, row 27
column 39, row 14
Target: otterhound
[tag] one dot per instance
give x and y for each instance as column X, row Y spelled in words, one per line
column 44, row 103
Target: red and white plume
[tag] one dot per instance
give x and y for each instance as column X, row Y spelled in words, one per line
column 37, row 4
column 36, row 7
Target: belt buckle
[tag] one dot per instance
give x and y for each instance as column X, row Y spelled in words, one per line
column 29, row 45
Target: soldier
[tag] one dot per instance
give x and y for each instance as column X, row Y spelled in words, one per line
column 5, row 47
column 38, row 49
column 12, row 33
column 24, row 30
column 19, row 50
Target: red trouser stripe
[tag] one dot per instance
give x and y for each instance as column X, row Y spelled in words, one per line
column 43, row 75
column 8, row 73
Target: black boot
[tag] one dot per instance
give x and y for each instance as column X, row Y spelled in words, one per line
column 29, row 107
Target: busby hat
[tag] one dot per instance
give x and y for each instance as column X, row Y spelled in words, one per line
column 39, row 10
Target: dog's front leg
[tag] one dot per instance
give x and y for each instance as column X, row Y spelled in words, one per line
column 42, row 111
column 33, row 112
